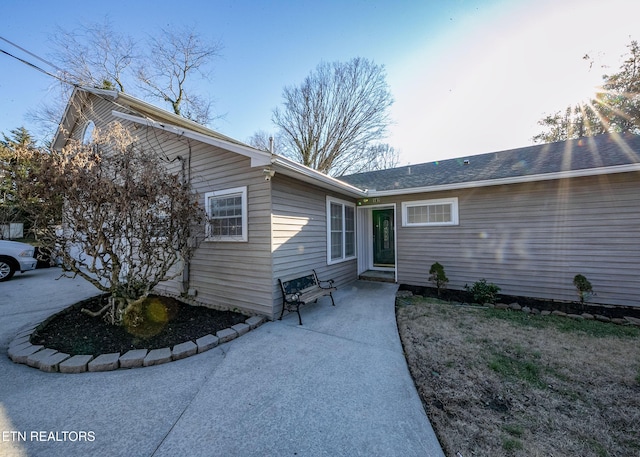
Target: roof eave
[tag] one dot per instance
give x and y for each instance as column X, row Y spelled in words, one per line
column 258, row 158
column 69, row 118
column 304, row 173
column 512, row 180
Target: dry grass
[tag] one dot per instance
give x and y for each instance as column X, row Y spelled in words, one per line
column 505, row 383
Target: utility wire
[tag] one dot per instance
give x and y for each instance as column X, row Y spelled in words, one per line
column 34, row 66
column 32, row 54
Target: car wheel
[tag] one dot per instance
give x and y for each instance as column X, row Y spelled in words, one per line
column 6, row 269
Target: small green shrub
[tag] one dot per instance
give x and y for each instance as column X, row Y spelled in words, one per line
column 583, row 286
column 513, row 430
column 483, row 292
column 437, row 276
column 511, row 444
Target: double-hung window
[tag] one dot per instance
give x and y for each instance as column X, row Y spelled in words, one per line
column 227, row 214
column 341, row 230
column 430, row 212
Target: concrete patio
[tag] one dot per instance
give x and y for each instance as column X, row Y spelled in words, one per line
column 336, row 386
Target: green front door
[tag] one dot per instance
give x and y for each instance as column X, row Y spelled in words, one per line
column 383, row 238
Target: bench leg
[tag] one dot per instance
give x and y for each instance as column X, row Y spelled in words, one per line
column 299, row 318
column 297, row 311
column 332, row 302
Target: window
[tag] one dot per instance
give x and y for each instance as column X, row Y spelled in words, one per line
column 87, row 134
column 430, row 212
column 341, row 230
column 227, row 214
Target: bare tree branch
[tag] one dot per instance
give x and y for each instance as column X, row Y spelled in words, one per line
column 95, row 55
column 331, row 119
column 173, row 58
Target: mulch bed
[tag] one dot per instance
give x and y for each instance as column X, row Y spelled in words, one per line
column 169, row 322
column 569, row 307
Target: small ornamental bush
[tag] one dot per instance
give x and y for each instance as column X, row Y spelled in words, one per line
column 483, row 292
column 583, row 287
column 437, row 276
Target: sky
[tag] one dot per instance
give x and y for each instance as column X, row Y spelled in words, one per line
column 467, row 76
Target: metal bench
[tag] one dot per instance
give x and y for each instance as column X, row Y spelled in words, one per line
column 299, row 291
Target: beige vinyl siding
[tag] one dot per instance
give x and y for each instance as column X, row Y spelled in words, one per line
column 300, row 236
column 224, row 274
column 234, row 274
column 96, row 110
column 531, row 239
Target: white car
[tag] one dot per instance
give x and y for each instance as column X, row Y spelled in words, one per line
column 14, row 257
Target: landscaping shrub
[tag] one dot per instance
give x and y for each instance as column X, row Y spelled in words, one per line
column 583, row 286
column 483, row 292
column 437, row 276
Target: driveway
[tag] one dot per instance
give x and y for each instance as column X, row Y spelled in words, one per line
column 337, row 386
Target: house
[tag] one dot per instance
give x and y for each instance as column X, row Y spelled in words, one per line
column 527, row 219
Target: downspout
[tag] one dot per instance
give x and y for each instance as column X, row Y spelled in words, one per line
column 186, row 179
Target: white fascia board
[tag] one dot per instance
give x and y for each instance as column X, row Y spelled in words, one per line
column 69, row 118
column 310, row 175
column 514, row 180
column 258, row 158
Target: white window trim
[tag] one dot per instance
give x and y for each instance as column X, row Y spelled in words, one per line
column 221, row 193
column 87, row 132
column 344, row 204
column 441, row 201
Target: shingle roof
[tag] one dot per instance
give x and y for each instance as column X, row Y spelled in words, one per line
column 596, row 152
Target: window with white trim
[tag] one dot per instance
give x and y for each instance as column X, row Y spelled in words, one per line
column 87, row 133
column 341, row 230
column 423, row 213
column 227, row 214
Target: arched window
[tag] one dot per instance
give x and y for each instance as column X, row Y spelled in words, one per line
column 87, row 135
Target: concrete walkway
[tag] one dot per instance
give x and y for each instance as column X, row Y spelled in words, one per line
column 336, row 386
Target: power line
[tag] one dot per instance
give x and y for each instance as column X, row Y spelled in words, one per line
column 34, row 66
column 32, row 54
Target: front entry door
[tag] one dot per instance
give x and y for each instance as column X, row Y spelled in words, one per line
column 383, row 238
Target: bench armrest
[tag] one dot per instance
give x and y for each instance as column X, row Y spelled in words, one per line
column 328, row 281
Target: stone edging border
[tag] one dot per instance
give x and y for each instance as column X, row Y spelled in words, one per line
column 49, row 360
column 627, row 320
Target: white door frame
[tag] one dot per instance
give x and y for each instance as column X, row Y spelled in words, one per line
column 365, row 238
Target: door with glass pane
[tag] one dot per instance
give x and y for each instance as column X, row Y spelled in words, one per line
column 383, row 238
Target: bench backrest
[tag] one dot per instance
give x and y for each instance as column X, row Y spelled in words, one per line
column 295, row 285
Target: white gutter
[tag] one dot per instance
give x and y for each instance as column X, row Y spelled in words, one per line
column 314, row 175
column 258, row 158
column 512, row 180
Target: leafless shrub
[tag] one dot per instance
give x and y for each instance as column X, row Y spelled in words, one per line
column 128, row 219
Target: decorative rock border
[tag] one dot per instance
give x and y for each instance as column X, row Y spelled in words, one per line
column 627, row 320
column 49, row 360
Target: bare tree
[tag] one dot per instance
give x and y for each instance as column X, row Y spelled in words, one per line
column 264, row 141
column 92, row 55
column 95, row 55
column 329, row 122
column 173, row 58
column 381, row 157
column 128, row 220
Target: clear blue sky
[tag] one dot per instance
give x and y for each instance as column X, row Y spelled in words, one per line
column 468, row 76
